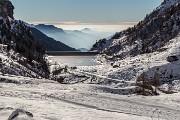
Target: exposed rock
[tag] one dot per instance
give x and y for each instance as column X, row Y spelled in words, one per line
column 6, row 9
column 19, row 114
column 115, row 66
column 172, row 58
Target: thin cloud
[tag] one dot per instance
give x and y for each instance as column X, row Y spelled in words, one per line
column 79, row 23
column 56, row 23
column 129, row 23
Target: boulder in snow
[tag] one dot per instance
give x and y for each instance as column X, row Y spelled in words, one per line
column 20, row 114
column 172, row 58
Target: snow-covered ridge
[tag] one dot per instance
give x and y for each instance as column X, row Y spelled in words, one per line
column 18, row 38
column 148, row 36
column 167, row 4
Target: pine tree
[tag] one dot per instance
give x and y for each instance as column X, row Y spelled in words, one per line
column 156, row 81
column 143, row 81
column 0, row 62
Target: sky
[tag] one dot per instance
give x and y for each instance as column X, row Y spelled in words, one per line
column 83, row 12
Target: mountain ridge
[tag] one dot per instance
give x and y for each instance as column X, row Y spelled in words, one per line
column 74, row 38
column 147, row 36
column 21, row 48
column 49, row 43
column 6, row 9
column 48, row 28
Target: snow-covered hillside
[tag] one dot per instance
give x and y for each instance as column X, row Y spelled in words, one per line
column 14, row 64
column 143, row 51
column 34, row 99
column 16, row 36
column 149, row 35
column 123, row 73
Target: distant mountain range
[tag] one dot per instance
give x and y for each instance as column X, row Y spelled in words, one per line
column 49, row 28
column 84, row 38
column 49, row 43
column 83, row 49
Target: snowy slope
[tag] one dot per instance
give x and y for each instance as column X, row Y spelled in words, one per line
column 143, row 48
column 15, row 35
column 12, row 67
column 124, row 73
column 168, row 72
column 149, row 35
column 48, row 100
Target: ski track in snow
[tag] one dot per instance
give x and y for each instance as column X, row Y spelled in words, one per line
column 48, row 100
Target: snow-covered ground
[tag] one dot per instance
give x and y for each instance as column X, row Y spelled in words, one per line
column 49, row 100
column 107, row 92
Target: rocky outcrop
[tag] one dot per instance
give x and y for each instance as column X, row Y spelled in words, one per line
column 17, row 36
column 172, row 58
column 20, row 114
column 6, row 9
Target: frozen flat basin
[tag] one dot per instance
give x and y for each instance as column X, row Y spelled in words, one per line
column 75, row 60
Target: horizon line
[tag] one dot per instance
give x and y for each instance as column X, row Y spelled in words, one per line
column 78, row 23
